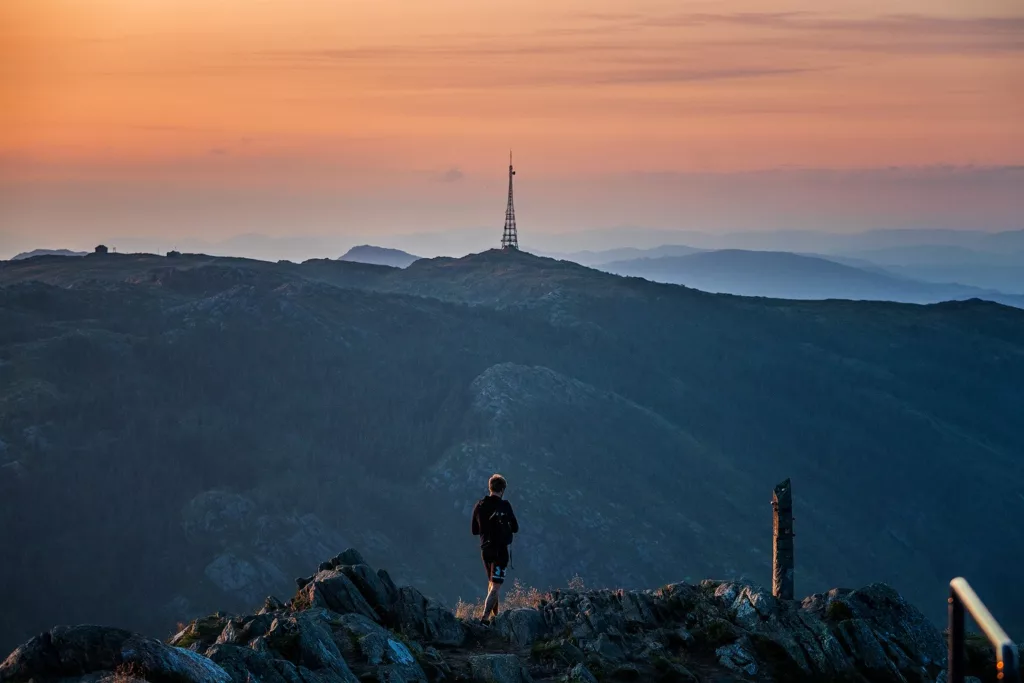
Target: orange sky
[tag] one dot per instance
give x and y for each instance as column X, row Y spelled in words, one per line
column 361, row 95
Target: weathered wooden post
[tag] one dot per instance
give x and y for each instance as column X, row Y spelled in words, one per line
column 782, row 541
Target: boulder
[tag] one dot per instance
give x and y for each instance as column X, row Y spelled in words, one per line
column 333, row 590
column 162, row 662
column 349, row 557
column 65, row 651
column 271, row 604
column 498, row 669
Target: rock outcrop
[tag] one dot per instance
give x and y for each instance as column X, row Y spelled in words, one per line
column 348, row 623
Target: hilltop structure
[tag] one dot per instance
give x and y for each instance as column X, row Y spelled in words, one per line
column 510, row 237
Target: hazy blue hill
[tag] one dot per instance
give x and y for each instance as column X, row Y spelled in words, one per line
column 938, row 255
column 596, row 258
column 212, row 424
column 46, row 252
column 795, row 276
column 1008, row 279
column 381, row 256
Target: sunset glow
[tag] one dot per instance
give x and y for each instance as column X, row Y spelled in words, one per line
column 365, row 96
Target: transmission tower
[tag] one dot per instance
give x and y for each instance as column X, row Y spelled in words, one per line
column 510, row 238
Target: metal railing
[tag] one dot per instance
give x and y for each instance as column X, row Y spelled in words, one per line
column 961, row 597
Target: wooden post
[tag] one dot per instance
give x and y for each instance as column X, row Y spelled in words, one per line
column 782, row 541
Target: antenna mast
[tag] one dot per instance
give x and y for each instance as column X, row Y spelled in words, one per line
column 510, row 237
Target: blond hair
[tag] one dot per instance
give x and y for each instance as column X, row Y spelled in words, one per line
column 496, row 484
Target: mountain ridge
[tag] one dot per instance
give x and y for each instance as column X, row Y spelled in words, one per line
column 311, row 402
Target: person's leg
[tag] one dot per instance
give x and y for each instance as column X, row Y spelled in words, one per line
column 489, row 567
column 491, row 603
column 494, row 590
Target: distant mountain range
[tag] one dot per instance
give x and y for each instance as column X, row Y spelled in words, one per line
column 988, row 261
column 794, row 276
column 380, row 256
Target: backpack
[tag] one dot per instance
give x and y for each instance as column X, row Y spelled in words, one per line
column 498, row 527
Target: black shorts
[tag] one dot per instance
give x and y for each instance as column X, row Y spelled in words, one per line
column 496, row 563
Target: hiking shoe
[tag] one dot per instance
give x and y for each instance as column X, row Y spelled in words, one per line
column 484, row 621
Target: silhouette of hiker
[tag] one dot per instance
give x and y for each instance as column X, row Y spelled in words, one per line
column 495, row 523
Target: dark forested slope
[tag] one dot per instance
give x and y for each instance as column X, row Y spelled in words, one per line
column 214, row 425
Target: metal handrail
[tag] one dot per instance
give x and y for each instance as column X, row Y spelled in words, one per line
column 962, row 596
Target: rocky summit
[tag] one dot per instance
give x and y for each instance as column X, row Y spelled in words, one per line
column 349, row 623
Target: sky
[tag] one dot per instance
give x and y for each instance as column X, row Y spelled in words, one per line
column 172, row 120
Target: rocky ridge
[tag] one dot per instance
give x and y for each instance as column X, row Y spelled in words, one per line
column 349, row 623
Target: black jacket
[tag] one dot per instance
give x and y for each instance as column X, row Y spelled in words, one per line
column 483, row 511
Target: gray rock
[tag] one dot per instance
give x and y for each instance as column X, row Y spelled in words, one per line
column 581, row 674
column 163, row 662
column 522, row 626
column 604, row 647
column 889, row 613
column 561, row 652
column 862, row 644
column 201, row 633
column 65, row 651
column 363, row 641
column 349, row 556
column 305, row 641
column 233, row 634
column 271, row 604
column 737, row 657
column 684, row 636
column 333, row 590
column 380, row 595
column 245, row 665
column 425, row 618
column 754, row 605
column 389, row 585
column 498, row 669
column 436, row 667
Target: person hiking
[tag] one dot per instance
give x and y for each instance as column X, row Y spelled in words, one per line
column 495, row 524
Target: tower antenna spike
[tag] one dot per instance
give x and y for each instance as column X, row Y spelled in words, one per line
column 510, row 236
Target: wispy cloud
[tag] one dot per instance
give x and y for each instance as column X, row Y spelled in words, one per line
column 890, row 33
column 452, row 175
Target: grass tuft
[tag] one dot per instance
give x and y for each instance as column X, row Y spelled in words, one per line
column 516, row 597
